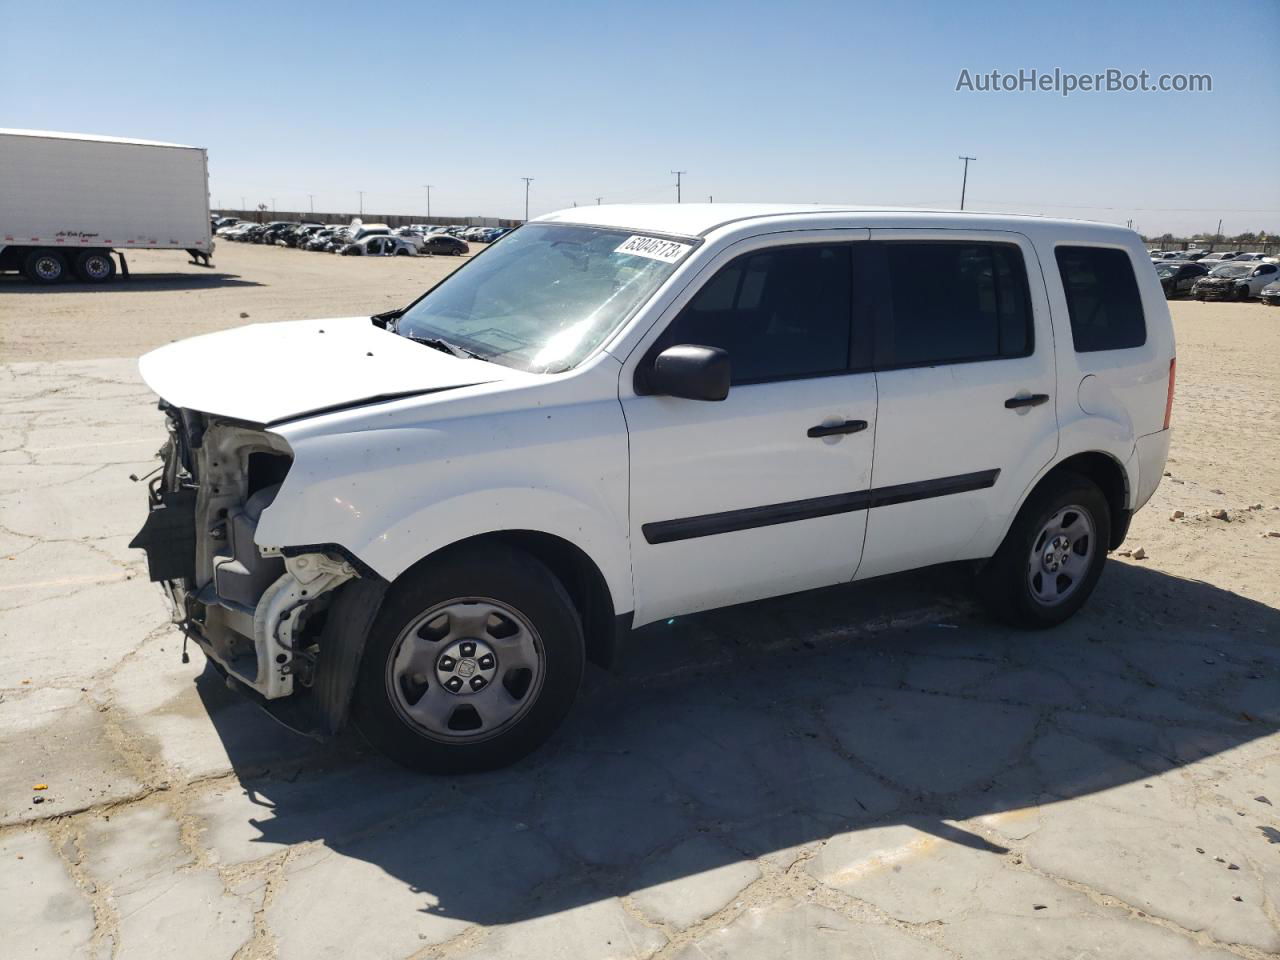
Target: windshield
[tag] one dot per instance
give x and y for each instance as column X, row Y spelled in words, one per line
column 1232, row 270
column 546, row 297
column 1166, row 269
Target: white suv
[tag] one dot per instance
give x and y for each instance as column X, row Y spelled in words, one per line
column 432, row 517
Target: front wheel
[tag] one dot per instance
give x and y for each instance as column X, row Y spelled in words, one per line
column 1052, row 557
column 472, row 662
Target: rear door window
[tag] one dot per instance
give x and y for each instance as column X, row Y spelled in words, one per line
column 1103, row 302
column 951, row 302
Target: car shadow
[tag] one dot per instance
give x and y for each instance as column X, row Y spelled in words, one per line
column 745, row 733
column 137, row 282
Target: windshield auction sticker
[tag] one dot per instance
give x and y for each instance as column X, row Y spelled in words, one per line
column 668, row 251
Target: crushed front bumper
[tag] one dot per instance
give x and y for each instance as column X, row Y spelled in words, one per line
column 1224, row 291
column 255, row 612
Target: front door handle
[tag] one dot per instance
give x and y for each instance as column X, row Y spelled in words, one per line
column 849, row 426
column 1017, row 403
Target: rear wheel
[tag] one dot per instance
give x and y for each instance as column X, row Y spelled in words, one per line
column 1053, row 555
column 95, row 266
column 472, row 662
column 45, row 266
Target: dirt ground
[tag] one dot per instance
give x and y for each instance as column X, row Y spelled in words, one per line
column 167, row 298
column 875, row 770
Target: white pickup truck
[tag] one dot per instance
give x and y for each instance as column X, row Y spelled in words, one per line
column 434, row 516
column 68, row 201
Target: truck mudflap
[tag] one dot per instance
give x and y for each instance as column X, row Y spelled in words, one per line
column 168, row 536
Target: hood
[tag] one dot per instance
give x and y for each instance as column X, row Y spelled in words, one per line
column 269, row 372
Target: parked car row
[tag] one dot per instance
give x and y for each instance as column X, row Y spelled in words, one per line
column 1229, row 275
column 1221, row 256
column 357, row 238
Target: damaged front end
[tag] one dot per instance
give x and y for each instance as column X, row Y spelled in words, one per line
column 258, row 612
column 1217, row 288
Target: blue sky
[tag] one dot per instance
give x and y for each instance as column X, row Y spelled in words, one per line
column 840, row 102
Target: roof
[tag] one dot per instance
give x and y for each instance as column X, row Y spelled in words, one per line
column 56, row 135
column 699, row 219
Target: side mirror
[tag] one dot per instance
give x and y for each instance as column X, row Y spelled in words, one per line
column 691, row 372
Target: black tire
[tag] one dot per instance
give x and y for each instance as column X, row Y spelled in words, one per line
column 95, row 266
column 1005, row 582
column 45, row 267
column 498, row 573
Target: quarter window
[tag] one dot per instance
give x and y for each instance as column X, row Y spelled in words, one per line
column 952, row 302
column 781, row 314
column 1102, row 298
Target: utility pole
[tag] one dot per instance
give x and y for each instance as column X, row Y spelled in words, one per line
column 965, row 182
column 679, row 174
column 527, row 181
column 273, row 206
column 598, row 199
column 311, row 200
column 710, row 199
column 242, row 206
column 1216, row 234
column 428, row 186
column 361, row 192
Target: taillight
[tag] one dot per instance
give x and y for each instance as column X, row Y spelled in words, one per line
column 1168, row 404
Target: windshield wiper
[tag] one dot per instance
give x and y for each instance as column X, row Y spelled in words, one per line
column 436, row 343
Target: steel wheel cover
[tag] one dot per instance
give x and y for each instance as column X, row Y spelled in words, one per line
column 465, row 670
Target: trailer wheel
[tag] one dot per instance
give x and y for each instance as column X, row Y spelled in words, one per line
column 95, row 266
column 45, row 266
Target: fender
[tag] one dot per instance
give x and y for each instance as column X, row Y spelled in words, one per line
column 558, row 470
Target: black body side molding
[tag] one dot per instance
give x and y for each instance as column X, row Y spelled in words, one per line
column 709, row 524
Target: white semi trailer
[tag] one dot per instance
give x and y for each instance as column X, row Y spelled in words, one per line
column 70, row 201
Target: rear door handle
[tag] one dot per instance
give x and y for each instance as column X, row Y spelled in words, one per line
column 849, row 426
column 1016, row 403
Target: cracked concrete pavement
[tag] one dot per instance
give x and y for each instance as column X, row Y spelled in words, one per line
column 875, row 770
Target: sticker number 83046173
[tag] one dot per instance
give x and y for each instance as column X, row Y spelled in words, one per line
column 655, row 248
